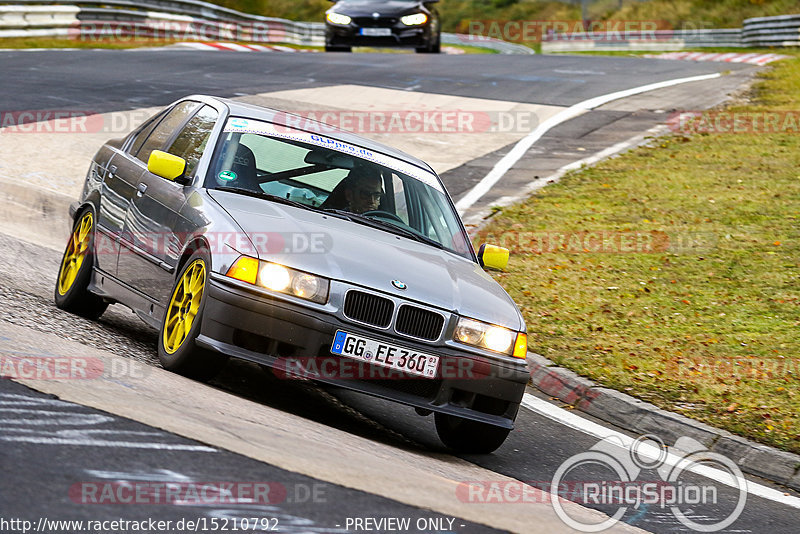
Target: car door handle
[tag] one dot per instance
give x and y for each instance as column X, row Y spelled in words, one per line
column 140, row 189
column 112, row 169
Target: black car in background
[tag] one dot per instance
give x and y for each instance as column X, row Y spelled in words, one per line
column 393, row 23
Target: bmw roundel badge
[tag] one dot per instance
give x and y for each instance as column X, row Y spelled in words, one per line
column 399, row 285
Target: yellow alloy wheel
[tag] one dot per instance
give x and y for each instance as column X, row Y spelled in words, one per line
column 77, row 248
column 184, row 305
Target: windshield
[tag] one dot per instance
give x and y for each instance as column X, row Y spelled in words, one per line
column 321, row 173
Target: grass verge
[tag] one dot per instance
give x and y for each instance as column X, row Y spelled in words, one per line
column 685, row 291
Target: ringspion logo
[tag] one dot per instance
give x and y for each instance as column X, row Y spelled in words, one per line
column 621, row 483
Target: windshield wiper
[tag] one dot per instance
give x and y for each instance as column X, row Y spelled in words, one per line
column 265, row 196
column 382, row 225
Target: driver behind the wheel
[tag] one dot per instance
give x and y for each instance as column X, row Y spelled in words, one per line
column 363, row 190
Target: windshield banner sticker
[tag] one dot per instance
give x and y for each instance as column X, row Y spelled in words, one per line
column 242, row 125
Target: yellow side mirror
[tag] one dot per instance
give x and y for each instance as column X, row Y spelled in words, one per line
column 166, row 165
column 493, row 257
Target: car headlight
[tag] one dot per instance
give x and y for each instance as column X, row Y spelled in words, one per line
column 492, row 337
column 338, row 18
column 414, row 20
column 276, row 277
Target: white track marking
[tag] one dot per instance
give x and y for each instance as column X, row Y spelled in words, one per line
column 522, row 147
column 571, row 420
column 475, row 219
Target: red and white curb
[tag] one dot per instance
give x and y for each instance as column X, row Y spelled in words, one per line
column 730, row 57
column 234, row 47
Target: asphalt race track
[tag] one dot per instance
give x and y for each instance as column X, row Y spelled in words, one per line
column 54, row 452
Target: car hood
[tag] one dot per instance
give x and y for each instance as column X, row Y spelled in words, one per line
column 365, row 8
column 350, row 252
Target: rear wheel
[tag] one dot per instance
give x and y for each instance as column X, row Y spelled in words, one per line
column 71, row 292
column 329, row 48
column 465, row 435
column 177, row 350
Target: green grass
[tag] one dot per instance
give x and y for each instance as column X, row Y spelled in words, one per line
column 704, row 322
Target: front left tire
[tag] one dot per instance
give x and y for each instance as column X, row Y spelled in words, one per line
column 177, row 350
column 72, row 285
column 433, row 47
column 329, row 48
column 468, row 436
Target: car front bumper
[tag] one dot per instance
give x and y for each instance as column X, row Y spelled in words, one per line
column 295, row 341
column 406, row 36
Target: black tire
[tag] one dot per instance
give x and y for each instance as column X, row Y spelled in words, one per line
column 465, row 435
column 433, row 47
column 183, row 355
column 329, row 48
column 71, row 292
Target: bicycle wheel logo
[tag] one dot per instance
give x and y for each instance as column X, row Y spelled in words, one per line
column 609, row 475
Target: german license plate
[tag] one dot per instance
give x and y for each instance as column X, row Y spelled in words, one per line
column 384, row 354
column 376, row 32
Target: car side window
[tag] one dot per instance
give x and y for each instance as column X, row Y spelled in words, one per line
column 141, row 136
column 163, row 132
column 192, row 140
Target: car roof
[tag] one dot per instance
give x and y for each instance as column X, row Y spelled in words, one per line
column 279, row 117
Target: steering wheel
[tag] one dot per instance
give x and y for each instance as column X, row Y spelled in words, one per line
column 384, row 215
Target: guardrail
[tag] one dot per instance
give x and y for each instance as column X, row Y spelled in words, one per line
column 503, row 47
column 650, row 41
column 23, row 21
column 770, row 32
column 129, row 21
column 188, row 20
column 193, row 8
column 778, row 31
